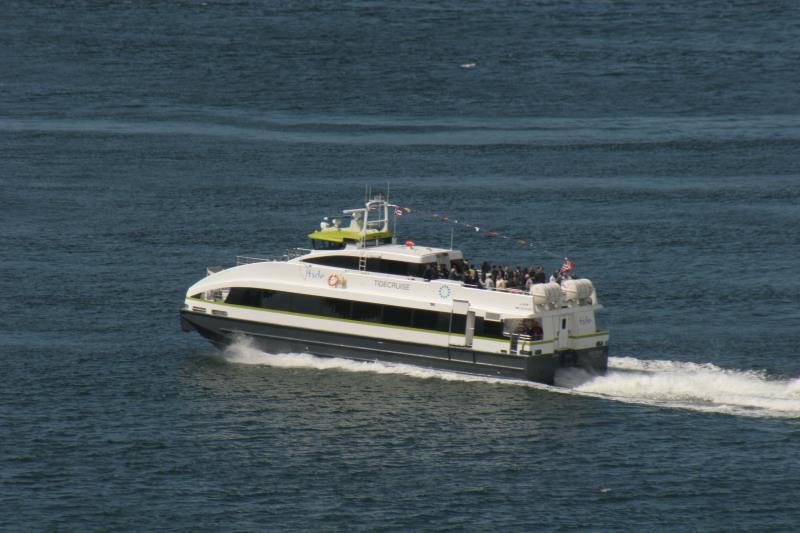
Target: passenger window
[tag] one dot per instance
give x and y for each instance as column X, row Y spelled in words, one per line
column 397, row 316
column 339, row 261
column 366, row 311
column 335, row 308
column 458, row 324
column 425, row 319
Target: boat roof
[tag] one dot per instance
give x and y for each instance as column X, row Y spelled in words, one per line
column 397, row 252
column 345, row 235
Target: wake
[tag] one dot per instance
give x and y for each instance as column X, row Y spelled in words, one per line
column 668, row 384
column 698, row 387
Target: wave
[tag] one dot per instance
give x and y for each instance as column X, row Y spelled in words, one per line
column 667, row 384
column 474, row 131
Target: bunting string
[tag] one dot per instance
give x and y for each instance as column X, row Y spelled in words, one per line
column 400, row 211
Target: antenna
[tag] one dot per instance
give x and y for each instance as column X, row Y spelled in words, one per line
column 394, row 231
column 452, row 230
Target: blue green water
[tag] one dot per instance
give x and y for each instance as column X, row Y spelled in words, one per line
column 655, row 145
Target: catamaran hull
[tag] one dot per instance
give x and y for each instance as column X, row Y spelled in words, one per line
column 271, row 338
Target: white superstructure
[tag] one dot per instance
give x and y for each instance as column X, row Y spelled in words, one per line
column 370, row 293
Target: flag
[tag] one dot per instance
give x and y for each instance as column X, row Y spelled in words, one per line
column 398, row 212
column 566, row 266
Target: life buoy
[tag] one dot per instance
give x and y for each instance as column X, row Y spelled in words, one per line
column 333, row 280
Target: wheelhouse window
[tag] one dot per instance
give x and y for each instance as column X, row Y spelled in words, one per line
column 326, row 245
column 214, row 295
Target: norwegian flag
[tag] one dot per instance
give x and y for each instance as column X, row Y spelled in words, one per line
column 566, row 266
column 398, row 212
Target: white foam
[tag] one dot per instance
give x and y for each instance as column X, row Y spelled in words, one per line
column 700, row 387
column 243, row 352
column 672, row 384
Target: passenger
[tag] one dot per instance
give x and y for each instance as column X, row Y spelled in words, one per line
column 539, row 276
column 454, row 274
column 536, row 331
column 555, row 277
column 490, row 282
column 501, row 284
column 485, row 269
column 532, row 329
column 428, row 273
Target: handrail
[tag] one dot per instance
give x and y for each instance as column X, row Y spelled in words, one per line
column 246, row 260
column 290, row 254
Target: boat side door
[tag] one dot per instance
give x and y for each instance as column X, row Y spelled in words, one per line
column 562, row 332
column 462, row 324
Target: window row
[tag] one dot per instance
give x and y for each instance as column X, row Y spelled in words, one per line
column 374, row 264
column 362, row 311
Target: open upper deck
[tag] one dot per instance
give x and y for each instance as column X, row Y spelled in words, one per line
column 359, row 227
column 395, row 252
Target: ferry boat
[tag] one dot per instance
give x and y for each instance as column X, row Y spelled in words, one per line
column 358, row 294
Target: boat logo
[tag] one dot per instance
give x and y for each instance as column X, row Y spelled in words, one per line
column 444, row 292
column 335, row 280
column 312, row 274
column 384, row 284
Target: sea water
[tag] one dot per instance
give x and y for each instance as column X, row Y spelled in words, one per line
column 654, row 145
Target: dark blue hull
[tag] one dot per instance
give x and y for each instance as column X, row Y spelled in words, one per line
column 222, row 331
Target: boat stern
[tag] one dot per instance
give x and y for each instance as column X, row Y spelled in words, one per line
column 542, row 368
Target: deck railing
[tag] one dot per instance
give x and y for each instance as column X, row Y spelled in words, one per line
column 297, row 252
column 290, row 254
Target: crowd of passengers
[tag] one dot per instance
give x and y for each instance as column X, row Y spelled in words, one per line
column 494, row 277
